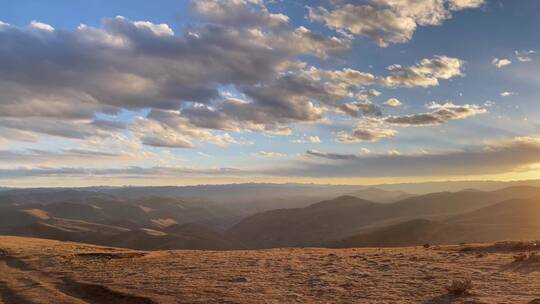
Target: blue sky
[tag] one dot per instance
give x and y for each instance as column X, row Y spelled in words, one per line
column 170, row 124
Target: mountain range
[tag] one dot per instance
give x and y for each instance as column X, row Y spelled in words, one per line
column 367, row 217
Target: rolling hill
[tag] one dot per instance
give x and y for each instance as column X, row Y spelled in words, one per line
column 515, row 219
column 346, row 216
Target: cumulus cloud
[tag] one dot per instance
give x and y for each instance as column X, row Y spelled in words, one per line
column 388, row 21
column 55, row 82
column 170, row 129
column 365, row 133
column 41, row 26
column 425, row 73
column 245, row 13
column 501, row 63
column 375, row 129
column 442, row 113
column 457, row 5
column 68, row 76
column 393, row 103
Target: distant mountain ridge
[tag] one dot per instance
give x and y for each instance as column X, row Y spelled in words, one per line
column 153, row 222
column 318, row 224
column 513, row 219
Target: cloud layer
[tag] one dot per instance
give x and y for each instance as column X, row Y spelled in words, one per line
column 493, row 158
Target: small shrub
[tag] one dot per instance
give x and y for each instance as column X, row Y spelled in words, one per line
column 427, row 245
column 460, row 287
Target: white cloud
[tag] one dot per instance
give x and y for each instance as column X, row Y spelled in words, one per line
column 507, row 94
column 525, row 56
column 457, row 5
column 157, row 29
column 365, row 134
column 393, row 103
column 308, row 139
column 129, row 65
column 500, row 63
column 41, row 26
column 388, row 21
column 426, row 73
column 442, row 113
column 269, row 154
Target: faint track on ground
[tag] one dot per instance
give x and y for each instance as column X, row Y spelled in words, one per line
column 21, row 284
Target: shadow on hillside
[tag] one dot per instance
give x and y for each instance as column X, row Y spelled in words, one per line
column 522, row 267
column 443, row 299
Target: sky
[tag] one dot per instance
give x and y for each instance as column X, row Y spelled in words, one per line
column 177, row 92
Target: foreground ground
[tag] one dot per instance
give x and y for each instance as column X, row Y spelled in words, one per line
column 43, row 271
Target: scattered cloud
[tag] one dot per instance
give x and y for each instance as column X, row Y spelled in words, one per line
column 365, row 133
column 308, row 139
column 500, row 63
column 65, row 77
column 507, row 94
column 426, row 73
column 525, row 56
column 269, row 154
column 41, row 26
column 393, row 103
column 442, row 113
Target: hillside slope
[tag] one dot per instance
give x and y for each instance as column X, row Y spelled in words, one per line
column 512, row 219
column 345, row 216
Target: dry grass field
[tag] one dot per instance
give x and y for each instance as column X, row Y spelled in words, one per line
column 45, row 271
